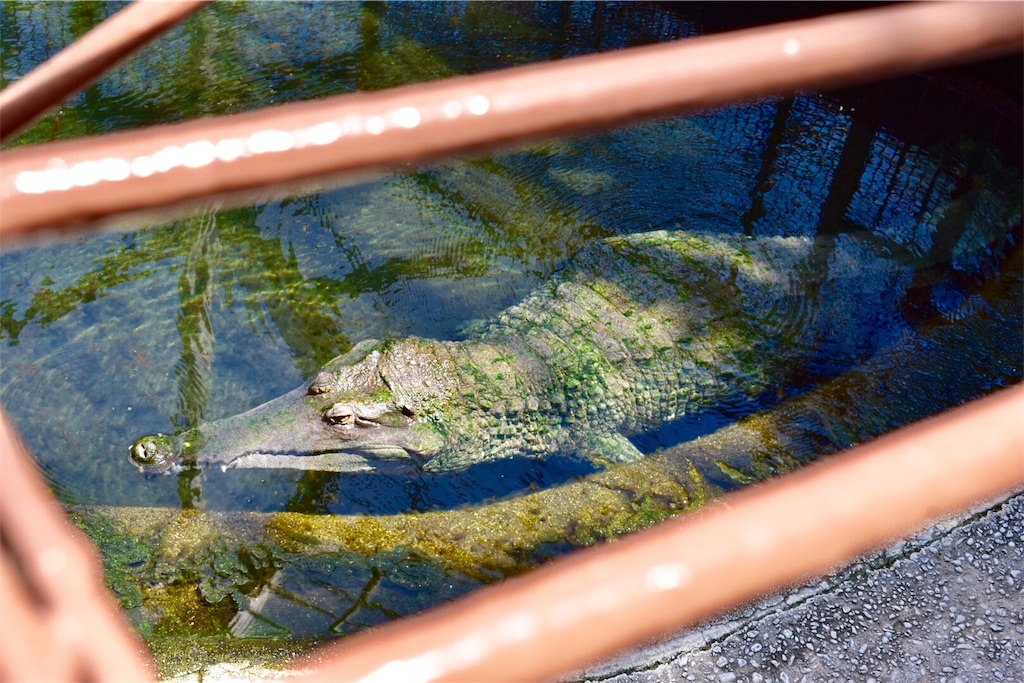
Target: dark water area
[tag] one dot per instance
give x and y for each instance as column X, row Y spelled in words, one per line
column 109, row 336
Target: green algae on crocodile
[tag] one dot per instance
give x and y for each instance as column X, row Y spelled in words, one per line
column 639, row 330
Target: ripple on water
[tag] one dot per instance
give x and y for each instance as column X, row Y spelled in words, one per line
column 72, row 382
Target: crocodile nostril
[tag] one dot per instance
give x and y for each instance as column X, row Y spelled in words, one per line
column 155, row 453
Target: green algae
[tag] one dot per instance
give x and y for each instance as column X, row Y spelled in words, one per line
column 736, row 474
column 182, row 610
column 124, row 555
column 182, row 655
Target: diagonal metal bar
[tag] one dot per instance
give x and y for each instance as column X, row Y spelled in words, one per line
column 77, row 66
column 60, row 623
column 596, row 602
column 294, row 146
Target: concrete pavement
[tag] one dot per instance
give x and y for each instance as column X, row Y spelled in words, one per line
column 946, row 605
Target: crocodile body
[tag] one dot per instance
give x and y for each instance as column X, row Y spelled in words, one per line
column 639, row 330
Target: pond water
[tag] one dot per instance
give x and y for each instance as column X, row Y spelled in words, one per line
column 109, row 336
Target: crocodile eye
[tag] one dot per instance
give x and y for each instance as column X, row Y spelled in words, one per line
column 340, row 414
column 321, row 384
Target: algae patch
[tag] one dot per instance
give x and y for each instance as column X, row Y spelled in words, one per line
column 125, row 558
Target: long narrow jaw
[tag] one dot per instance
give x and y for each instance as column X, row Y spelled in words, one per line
column 289, row 434
column 164, row 454
column 324, row 462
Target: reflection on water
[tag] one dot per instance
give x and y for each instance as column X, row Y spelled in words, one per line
column 155, row 329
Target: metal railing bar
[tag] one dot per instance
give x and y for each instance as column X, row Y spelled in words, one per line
column 580, row 609
column 297, row 145
column 77, row 66
column 60, row 623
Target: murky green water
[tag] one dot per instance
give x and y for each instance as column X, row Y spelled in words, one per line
column 111, row 336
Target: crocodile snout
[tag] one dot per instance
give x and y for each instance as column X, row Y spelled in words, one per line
column 155, row 453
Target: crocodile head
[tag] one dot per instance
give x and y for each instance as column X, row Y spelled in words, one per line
column 368, row 409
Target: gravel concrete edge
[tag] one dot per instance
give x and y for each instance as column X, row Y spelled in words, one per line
column 946, row 605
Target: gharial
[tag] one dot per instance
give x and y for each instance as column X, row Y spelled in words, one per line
column 638, row 330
